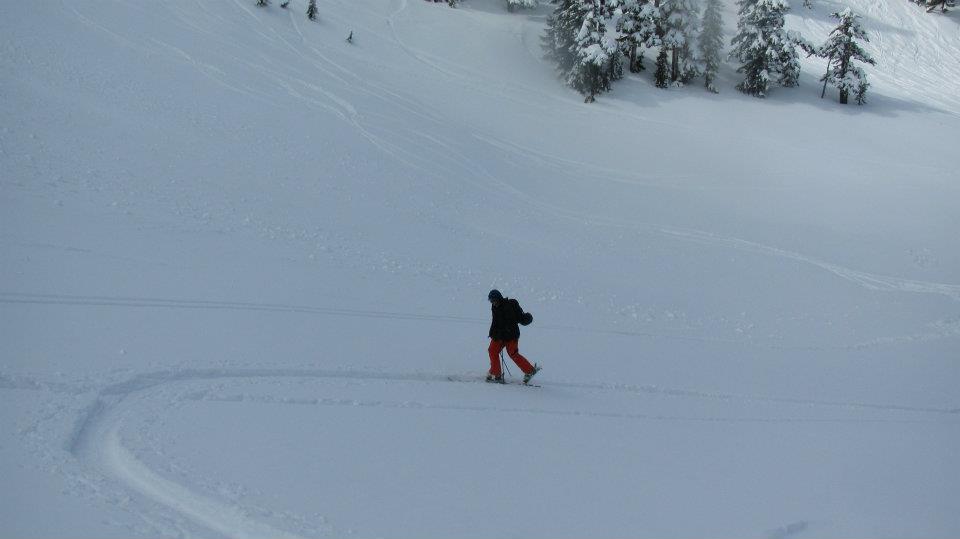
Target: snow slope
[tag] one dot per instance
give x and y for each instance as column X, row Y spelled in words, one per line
column 243, row 269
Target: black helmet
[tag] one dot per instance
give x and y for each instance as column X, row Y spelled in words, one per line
column 494, row 295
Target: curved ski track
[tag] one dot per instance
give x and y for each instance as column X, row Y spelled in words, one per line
column 96, row 444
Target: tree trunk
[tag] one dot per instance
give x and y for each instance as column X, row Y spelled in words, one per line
column 844, row 67
column 826, row 77
column 674, row 64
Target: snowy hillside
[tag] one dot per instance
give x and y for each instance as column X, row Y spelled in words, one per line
column 244, row 267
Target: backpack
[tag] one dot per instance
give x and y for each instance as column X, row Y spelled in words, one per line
column 525, row 319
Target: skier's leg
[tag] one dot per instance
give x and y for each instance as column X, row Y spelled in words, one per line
column 513, row 349
column 494, row 351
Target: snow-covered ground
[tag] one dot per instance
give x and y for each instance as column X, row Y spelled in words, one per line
column 243, row 271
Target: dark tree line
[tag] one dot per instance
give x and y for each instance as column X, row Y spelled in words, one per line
column 932, row 5
column 590, row 40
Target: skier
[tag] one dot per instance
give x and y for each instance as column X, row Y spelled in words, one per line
column 504, row 333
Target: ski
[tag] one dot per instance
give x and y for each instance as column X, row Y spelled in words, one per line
column 510, row 382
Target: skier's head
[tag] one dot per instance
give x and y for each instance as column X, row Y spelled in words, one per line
column 494, row 296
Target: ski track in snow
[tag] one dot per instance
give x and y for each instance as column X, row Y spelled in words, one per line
column 220, row 517
column 474, row 80
column 864, row 279
column 95, row 441
column 941, row 329
column 112, row 301
column 925, row 71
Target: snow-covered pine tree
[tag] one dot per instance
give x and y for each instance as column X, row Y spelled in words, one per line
column 263, row 3
column 932, row 5
column 841, row 49
column 764, row 48
column 284, row 4
column 789, row 58
column 680, row 24
column 513, row 5
column 559, row 38
column 312, row 10
column 661, row 77
column 597, row 55
column 652, row 28
column 710, row 43
column 625, row 16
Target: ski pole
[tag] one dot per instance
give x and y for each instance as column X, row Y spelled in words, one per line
column 504, row 364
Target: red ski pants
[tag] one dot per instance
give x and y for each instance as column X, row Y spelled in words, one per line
column 513, row 350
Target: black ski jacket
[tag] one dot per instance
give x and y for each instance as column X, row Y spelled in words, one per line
column 506, row 317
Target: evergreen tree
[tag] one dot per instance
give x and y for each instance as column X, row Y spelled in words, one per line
column 932, row 5
column 711, row 42
column 942, row 4
column 841, row 49
column 263, row 3
column 661, row 76
column 652, row 28
column 625, row 15
column 513, row 5
column 640, row 25
column 680, row 26
column 764, row 48
column 597, row 55
column 312, row 10
column 652, row 23
column 558, row 41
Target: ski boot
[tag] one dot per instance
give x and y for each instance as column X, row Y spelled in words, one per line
column 531, row 374
column 495, row 379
